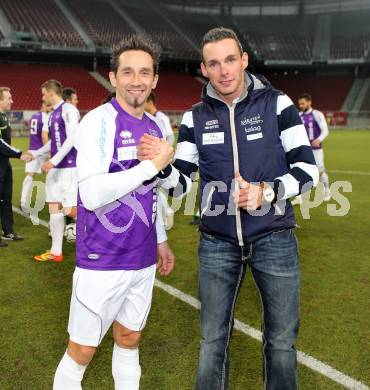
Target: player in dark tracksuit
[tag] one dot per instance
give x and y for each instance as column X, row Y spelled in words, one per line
column 6, row 174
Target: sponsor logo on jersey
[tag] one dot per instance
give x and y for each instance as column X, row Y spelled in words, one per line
column 153, row 132
column 125, row 134
column 127, row 137
column 93, row 256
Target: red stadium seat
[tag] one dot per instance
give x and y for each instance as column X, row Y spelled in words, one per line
column 25, row 81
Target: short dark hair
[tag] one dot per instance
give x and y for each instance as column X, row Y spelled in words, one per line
column 218, row 34
column 68, row 92
column 53, row 85
column 305, row 96
column 152, row 98
column 135, row 42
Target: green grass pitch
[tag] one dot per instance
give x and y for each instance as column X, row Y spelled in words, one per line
column 335, row 255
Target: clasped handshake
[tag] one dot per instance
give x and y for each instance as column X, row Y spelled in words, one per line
column 28, row 156
column 249, row 196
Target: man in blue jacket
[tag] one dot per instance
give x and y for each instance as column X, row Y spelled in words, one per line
column 6, row 173
column 253, row 154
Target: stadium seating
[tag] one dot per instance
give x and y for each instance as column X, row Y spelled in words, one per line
column 278, row 38
column 172, row 44
column 177, row 91
column 43, row 18
column 25, row 81
column 353, row 41
column 280, row 47
column 271, row 38
column 355, row 47
column 328, row 92
column 104, row 25
column 194, row 26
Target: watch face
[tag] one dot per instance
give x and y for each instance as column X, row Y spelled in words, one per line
column 269, row 195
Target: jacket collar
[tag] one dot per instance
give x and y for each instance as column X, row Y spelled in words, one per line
column 252, row 84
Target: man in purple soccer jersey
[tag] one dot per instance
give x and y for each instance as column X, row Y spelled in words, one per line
column 317, row 130
column 38, row 137
column 61, row 179
column 70, row 96
column 118, row 234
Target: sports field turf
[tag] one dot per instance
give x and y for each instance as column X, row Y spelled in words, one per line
column 335, row 257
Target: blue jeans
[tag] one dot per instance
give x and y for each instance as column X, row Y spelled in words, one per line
column 275, row 268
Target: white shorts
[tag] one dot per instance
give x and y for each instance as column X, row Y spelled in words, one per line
column 61, row 186
column 34, row 166
column 101, row 297
column 319, row 158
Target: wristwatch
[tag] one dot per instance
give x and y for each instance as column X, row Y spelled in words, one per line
column 268, row 193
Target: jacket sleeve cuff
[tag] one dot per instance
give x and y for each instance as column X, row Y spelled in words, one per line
column 279, row 190
column 164, row 173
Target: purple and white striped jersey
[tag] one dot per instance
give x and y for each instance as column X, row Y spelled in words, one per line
column 37, row 122
column 316, row 127
column 62, row 122
column 116, row 210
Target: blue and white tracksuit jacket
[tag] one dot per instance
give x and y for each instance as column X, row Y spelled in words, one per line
column 260, row 135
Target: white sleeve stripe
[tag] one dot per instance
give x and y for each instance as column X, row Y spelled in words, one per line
column 293, row 137
column 187, row 151
column 291, row 185
column 283, row 102
column 171, row 180
column 309, row 169
column 187, row 119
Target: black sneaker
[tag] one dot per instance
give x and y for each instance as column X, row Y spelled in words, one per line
column 2, row 244
column 12, row 237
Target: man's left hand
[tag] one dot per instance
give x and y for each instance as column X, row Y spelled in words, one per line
column 249, row 195
column 47, row 166
column 166, row 259
column 315, row 143
column 149, row 147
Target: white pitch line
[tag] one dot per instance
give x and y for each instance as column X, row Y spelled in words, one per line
column 307, row 360
column 350, row 172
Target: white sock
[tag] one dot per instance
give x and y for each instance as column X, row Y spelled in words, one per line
column 126, row 368
column 57, row 232
column 68, row 375
column 26, row 188
column 324, row 178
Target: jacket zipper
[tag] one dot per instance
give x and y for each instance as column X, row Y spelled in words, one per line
column 208, row 201
column 239, row 232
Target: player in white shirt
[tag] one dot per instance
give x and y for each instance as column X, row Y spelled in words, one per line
column 38, row 137
column 164, row 123
column 118, row 233
column 70, row 96
column 317, row 130
column 61, row 179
